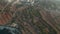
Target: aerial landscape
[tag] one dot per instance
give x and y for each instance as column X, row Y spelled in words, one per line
column 29, row 16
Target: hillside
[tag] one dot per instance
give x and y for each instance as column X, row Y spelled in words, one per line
column 31, row 19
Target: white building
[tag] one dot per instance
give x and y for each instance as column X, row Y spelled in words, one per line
column 31, row 1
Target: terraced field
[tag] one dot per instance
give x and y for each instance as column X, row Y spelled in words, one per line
column 29, row 19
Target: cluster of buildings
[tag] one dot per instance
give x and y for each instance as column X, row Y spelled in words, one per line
column 22, row 1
